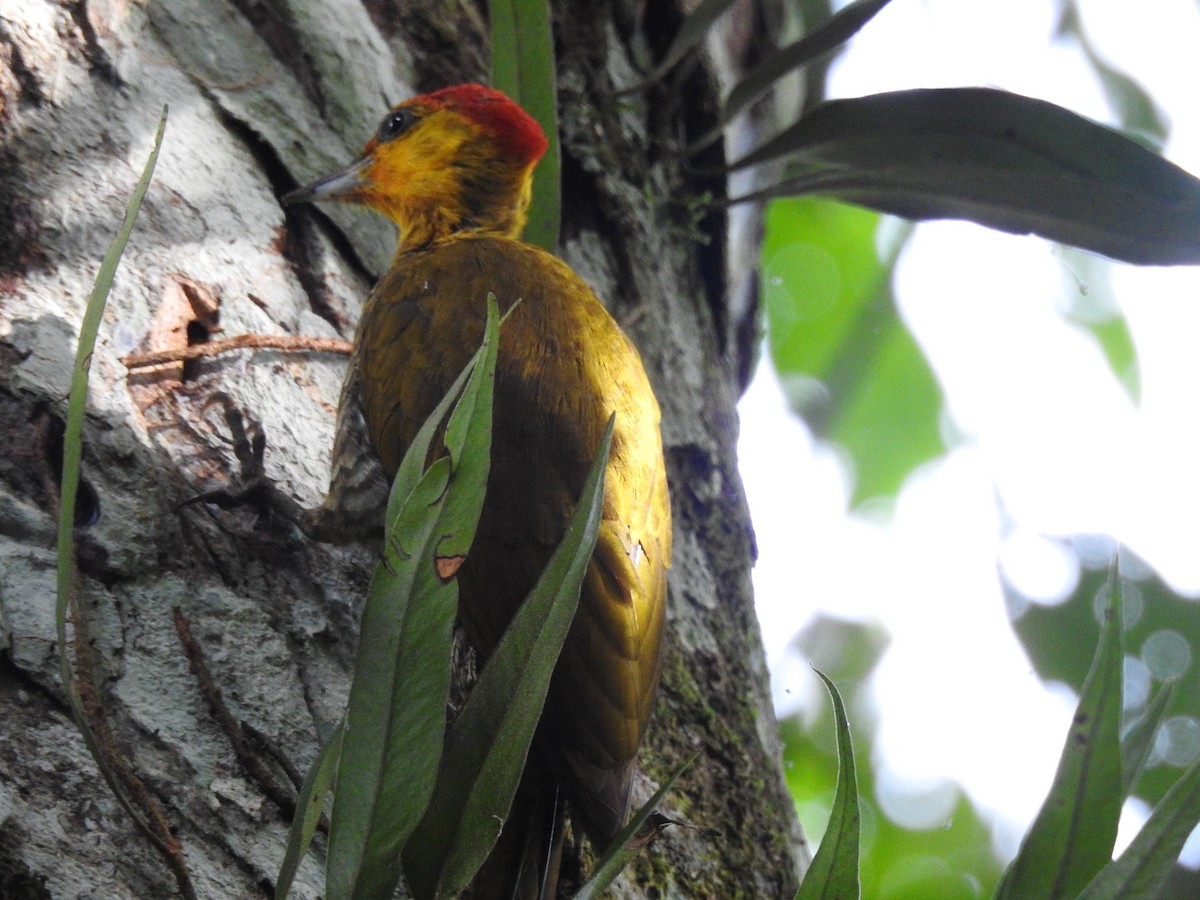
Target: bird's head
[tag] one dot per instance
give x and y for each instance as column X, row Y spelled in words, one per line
column 458, row 159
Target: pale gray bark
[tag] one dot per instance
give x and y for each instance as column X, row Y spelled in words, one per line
column 264, row 96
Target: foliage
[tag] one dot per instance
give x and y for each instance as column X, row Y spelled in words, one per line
column 396, row 711
column 401, row 793
column 947, row 861
column 523, row 67
column 1057, row 639
column 1067, row 851
column 850, row 366
column 834, row 869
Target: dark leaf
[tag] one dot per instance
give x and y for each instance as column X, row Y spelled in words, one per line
column 829, row 36
column 691, row 34
column 1009, row 162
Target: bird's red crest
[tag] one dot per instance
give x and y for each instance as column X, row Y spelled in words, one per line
column 517, row 133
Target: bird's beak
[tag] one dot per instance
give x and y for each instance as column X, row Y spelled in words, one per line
column 343, row 185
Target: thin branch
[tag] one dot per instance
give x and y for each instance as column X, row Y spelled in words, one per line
column 288, row 342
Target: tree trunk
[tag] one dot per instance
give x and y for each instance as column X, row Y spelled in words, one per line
column 264, row 96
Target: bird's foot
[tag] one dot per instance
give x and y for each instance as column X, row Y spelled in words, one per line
column 249, row 487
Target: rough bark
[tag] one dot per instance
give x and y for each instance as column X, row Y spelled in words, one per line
column 264, row 96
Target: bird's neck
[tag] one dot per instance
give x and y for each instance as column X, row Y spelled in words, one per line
column 482, row 205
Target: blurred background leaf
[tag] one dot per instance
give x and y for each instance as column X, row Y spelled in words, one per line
column 849, row 365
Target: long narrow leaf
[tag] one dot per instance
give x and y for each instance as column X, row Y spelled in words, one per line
column 614, row 860
column 827, row 290
column 1148, row 860
column 72, row 457
column 412, row 466
column 396, row 716
column 832, row 34
column 309, row 807
column 1009, row 162
column 487, row 745
column 1137, row 743
column 834, row 869
column 523, row 67
column 1073, row 835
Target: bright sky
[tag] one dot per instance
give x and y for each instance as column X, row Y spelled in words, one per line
column 1041, row 435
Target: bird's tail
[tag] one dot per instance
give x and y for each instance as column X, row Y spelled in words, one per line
column 525, row 863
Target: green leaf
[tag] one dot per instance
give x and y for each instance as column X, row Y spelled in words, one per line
column 1135, row 108
column 847, row 362
column 487, row 744
column 396, row 718
column 1092, row 304
column 1060, row 641
column 1148, row 860
column 618, row 855
column 775, row 65
column 310, row 805
column 1073, row 835
column 72, row 457
column 1009, row 162
column 1139, row 739
column 834, row 869
column 523, row 67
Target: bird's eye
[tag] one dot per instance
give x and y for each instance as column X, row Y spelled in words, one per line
column 397, row 122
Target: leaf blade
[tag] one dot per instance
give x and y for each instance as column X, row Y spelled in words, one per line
column 692, row 31
column 1148, row 860
column 396, row 716
column 834, row 869
column 310, row 804
column 839, row 28
column 1005, row 161
column 69, row 485
column 487, row 744
column 1073, row 836
column 523, row 67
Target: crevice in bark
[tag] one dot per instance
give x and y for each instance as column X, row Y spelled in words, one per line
column 50, row 431
column 98, row 59
column 296, row 238
column 14, row 680
column 20, row 251
column 17, row 881
column 25, row 88
column 452, row 38
column 710, row 219
column 273, row 24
